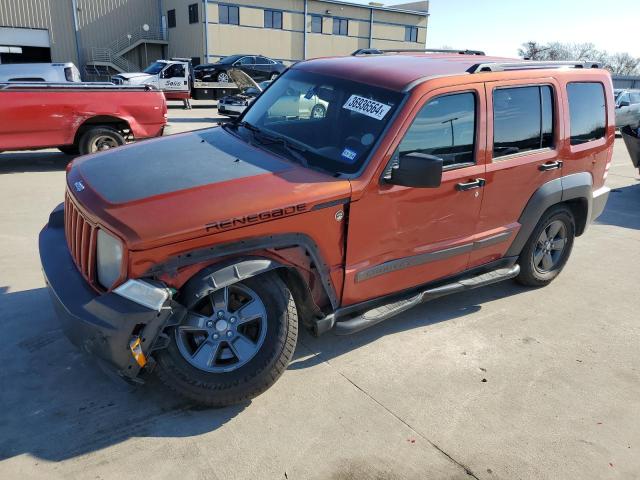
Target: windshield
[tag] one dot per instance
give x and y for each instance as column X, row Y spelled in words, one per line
column 333, row 122
column 155, row 68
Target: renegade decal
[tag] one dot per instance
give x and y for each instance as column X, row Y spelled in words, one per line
column 256, row 218
column 367, row 107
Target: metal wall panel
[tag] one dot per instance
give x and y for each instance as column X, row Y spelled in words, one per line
column 56, row 16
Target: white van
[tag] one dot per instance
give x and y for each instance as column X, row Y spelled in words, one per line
column 39, row 72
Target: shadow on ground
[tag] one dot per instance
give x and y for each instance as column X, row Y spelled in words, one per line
column 19, row 162
column 57, row 404
column 623, row 207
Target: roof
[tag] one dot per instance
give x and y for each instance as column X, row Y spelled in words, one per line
column 396, row 71
column 415, row 8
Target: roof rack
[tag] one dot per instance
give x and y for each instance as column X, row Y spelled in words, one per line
column 377, row 51
column 528, row 65
column 76, row 85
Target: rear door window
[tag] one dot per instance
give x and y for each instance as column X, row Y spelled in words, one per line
column 587, row 110
column 444, row 127
column 522, row 119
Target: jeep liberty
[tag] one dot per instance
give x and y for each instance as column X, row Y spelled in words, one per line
column 197, row 256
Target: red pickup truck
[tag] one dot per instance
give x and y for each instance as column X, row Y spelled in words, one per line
column 78, row 118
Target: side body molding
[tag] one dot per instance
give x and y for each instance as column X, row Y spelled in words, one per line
column 571, row 187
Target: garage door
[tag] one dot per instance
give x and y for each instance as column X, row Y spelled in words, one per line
column 24, row 45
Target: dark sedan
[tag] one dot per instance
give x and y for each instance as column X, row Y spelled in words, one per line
column 256, row 66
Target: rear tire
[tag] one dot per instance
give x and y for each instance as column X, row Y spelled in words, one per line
column 546, row 252
column 218, row 382
column 98, row 139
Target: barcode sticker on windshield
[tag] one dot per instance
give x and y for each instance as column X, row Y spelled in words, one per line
column 367, row 107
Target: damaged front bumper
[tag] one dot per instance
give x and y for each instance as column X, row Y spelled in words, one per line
column 115, row 329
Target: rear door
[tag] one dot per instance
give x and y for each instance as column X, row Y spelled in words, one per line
column 263, row 68
column 401, row 237
column 523, row 143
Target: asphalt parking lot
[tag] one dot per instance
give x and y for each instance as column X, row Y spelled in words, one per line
column 498, row 383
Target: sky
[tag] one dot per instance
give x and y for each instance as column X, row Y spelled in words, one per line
column 499, row 26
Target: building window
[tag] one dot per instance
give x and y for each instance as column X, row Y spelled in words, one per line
column 411, row 34
column 340, row 26
column 171, row 18
column 229, row 14
column 272, row 19
column 193, row 13
column 587, row 112
column 522, row 120
column 316, row 24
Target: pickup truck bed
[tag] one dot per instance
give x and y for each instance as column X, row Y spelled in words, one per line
column 78, row 118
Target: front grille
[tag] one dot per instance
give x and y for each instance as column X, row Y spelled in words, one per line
column 81, row 239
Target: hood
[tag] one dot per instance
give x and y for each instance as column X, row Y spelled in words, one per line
column 200, row 183
column 242, row 80
column 137, row 77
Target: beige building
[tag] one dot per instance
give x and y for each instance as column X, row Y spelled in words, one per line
column 291, row 30
column 106, row 36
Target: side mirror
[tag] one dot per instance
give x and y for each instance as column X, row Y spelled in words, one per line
column 417, row 170
column 624, row 103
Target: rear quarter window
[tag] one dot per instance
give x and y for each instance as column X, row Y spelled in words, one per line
column 587, row 111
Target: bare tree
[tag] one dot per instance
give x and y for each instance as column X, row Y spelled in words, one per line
column 624, row 64
column 618, row 63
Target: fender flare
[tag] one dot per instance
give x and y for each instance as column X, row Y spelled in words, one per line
column 247, row 264
column 577, row 186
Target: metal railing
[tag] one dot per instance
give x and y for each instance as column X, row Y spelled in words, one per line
column 106, row 55
column 113, row 53
column 135, row 36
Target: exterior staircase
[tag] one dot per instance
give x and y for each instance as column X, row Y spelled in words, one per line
column 103, row 61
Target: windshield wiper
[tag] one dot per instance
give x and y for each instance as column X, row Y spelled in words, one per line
column 291, row 149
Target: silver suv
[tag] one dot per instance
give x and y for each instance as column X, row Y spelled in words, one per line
column 627, row 107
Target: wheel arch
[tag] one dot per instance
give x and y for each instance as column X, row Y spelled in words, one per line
column 574, row 191
column 117, row 123
column 295, row 257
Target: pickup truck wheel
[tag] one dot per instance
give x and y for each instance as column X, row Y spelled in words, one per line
column 69, row 149
column 99, row 139
column 548, row 249
column 318, row 111
column 234, row 343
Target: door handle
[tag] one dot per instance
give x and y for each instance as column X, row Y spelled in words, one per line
column 477, row 183
column 550, row 166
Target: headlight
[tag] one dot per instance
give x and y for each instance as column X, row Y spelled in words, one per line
column 108, row 259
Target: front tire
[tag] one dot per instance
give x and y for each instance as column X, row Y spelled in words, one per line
column 548, row 248
column 234, row 343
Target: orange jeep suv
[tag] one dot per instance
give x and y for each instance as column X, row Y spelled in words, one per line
column 197, row 256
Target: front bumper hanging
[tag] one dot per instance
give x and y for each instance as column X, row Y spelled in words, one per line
column 105, row 325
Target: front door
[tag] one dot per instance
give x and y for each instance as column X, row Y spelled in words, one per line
column 524, row 140
column 401, row 237
column 175, row 78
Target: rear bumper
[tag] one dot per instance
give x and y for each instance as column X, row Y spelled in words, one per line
column 100, row 324
column 600, row 197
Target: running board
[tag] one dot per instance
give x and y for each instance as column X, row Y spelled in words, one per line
column 384, row 312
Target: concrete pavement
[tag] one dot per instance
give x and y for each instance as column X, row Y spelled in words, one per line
column 498, row 383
